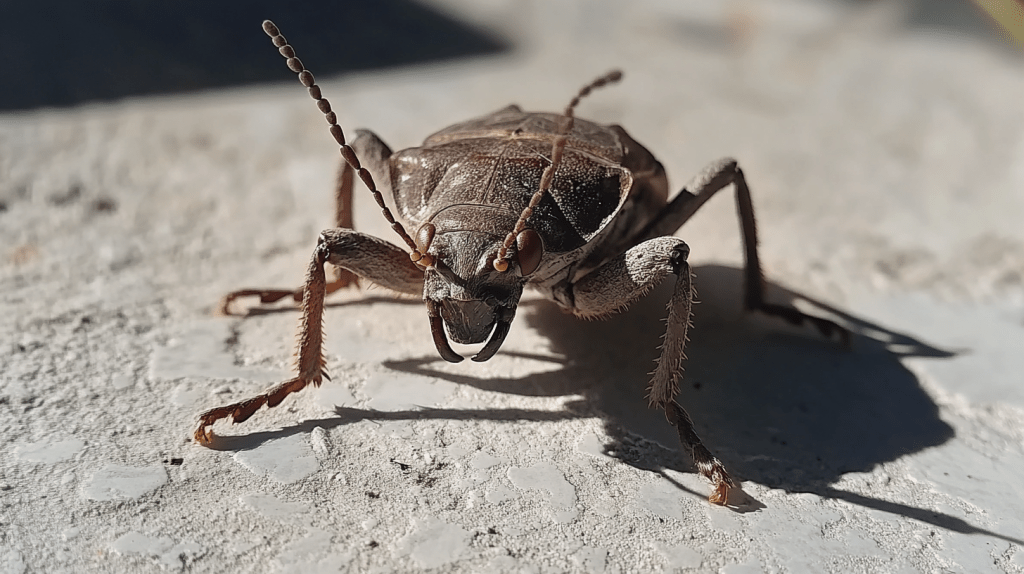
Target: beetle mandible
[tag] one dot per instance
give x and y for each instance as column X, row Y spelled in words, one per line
column 576, row 210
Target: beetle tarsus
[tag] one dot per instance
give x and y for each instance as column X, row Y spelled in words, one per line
column 707, row 464
column 266, row 296
column 241, row 411
column 720, row 496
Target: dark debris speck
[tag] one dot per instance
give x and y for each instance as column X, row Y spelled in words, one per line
column 104, row 205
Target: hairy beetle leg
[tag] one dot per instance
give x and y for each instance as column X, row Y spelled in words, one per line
column 311, row 361
column 343, row 278
column 374, row 259
column 707, row 464
column 623, row 280
column 241, row 411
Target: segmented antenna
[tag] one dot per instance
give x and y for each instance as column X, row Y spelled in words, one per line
column 306, row 77
column 557, row 148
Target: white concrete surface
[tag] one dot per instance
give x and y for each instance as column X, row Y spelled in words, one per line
column 886, row 161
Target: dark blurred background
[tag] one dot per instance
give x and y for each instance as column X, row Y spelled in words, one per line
column 60, row 53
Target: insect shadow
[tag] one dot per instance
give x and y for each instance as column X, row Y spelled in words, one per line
column 781, row 405
column 778, row 404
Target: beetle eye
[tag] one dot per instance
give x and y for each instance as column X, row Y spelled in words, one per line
column 530, row 249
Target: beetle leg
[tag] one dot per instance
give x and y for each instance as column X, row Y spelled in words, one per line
column 368, row 257
column 625, row 279
column 343, row 218
column 713, row 178
column 374, row 154
column 275, row 295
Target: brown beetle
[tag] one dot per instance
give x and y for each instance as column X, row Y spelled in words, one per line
column 576, row 210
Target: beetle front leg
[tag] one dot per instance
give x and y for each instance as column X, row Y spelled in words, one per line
column 625, row 279
column 368, row 257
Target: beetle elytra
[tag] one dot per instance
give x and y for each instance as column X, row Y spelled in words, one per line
column 578, row 211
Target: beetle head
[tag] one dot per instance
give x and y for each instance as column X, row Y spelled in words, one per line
column 466, row 294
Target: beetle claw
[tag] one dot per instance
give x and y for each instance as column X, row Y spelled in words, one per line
column 720, row 496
